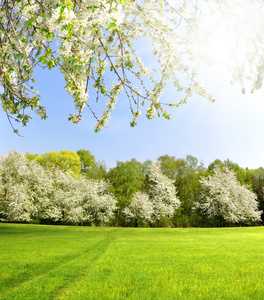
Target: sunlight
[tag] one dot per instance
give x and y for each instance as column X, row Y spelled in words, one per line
column 231, row 35
column 217, row 48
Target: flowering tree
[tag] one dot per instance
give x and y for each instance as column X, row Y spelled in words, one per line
column 29, row 191
column 224, row 196
column 18, row 208
column 162, row 193
column 139, row 210
column 21, row 191
column 65, row 198
column 78, row 200
column 98, row 204
column 88, row 40
column 38, row 182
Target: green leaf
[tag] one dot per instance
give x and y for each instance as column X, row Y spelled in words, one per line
column 29, row 22
column 70, row 4
column 50, row 64
column 112, row 25
column 62, row 10
column 48, row 52
column 49, row 36
column 64, row 27
column 70, row 30
column 42, row 59
column 93, row 8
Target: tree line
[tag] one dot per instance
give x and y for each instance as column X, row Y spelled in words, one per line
column 70, row 187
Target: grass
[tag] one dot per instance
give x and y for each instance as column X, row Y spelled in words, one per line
column 64, row 262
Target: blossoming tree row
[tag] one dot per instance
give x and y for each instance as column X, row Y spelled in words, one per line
column 30, row 192
column 36, row 190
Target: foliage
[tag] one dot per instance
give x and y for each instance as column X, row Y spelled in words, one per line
column 187, row 183
column 225, row 197
column 217, row 163
column 170, row 165
column 255, row 178
column 185, row 174
column 87, row 160
column 126, row 179
column 93, row 43
column 65, row 160
column 90, row 167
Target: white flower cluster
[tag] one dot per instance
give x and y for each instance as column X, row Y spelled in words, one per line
column 29, row 191
column 140, row 209
column 162, row 193
column 160, row 202
column 89, row 40
column 224, row 196
column 94, row 45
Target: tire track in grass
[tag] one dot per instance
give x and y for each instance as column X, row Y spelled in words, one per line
column 44, row 286
column 25, row 271
column 63, row 290
column 26, row 275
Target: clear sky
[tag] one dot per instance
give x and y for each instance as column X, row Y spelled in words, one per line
column 232, row 127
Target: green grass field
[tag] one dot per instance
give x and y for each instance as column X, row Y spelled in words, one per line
column 64, row 262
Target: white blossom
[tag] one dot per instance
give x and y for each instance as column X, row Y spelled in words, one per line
column 162, row 194
column 16, row 202
column 140, row 210
column 224, row 196
column 91, row 41
column 29, row 192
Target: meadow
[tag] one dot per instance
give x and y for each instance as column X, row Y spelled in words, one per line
column 70, row 262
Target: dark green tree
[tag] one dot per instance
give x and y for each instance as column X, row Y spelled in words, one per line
column 186, row 174
column 126, row 179
column 255, row 178
column 90, row 167
column 214, row 164
column 240, row 172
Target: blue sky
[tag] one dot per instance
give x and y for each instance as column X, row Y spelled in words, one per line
column 232, row 127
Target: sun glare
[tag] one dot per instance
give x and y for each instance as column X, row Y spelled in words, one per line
column 232, row 34
column 217, row 48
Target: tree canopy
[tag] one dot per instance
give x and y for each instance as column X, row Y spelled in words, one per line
column 169, row 192
column 126, row 179
column 65, row 160
column 224, row 196
column 94, row 44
